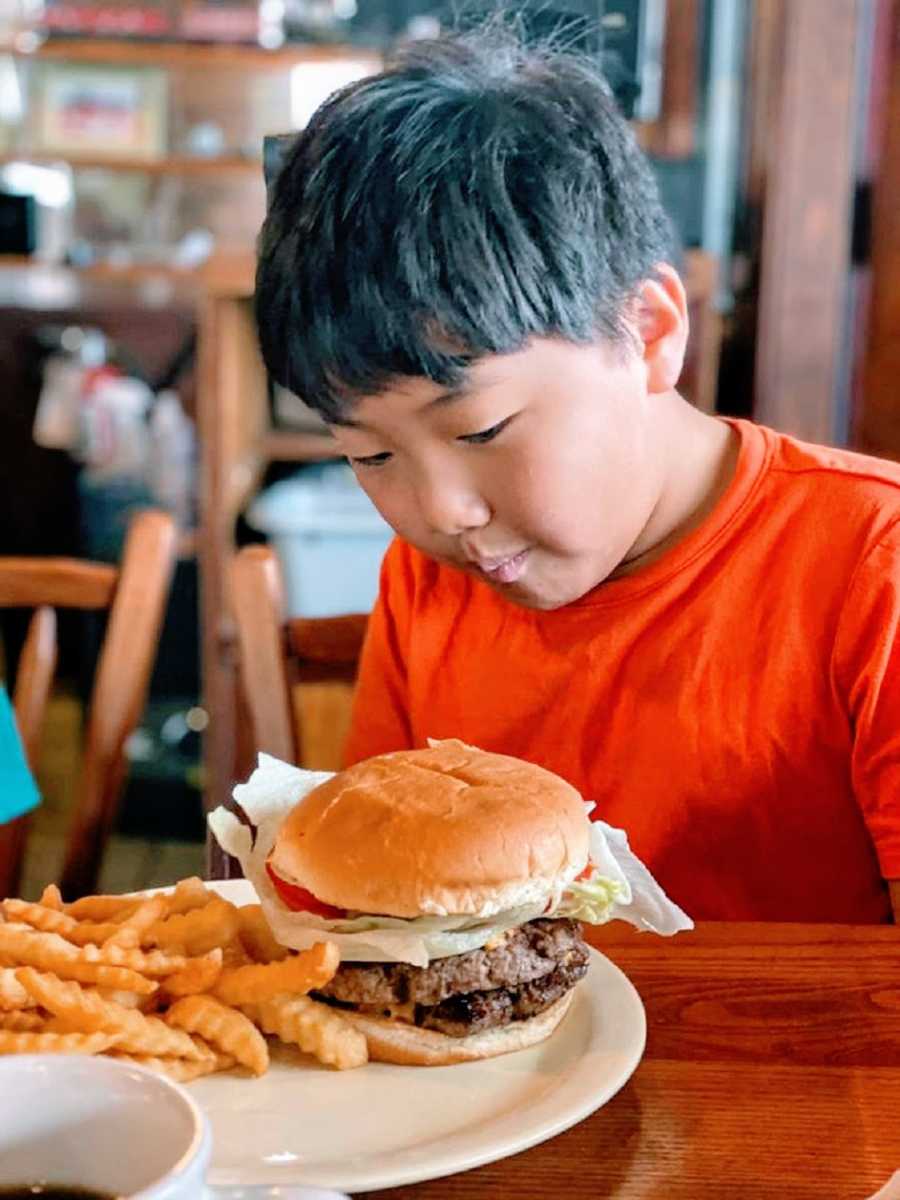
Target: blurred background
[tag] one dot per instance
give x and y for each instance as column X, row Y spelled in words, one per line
column 132, row 190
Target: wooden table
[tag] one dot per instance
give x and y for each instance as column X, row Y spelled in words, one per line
column 772, row 1072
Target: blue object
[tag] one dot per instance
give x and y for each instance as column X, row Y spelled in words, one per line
column 18, row 791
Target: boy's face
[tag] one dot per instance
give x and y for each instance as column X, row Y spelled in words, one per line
column 538, row 478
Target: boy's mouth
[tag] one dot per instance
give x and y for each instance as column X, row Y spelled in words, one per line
column 506, row 569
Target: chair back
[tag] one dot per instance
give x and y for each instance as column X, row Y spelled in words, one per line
column 277, row 654
column 133, row 595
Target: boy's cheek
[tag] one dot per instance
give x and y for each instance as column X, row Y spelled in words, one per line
column 378, row 493
column 398, row 508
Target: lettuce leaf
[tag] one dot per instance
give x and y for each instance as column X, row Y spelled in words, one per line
column 592, row 899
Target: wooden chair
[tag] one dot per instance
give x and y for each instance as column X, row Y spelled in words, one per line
column 34, row 679
column 134, row 595
column 277, row 654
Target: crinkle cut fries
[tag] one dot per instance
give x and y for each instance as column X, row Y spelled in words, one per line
column 184, row 983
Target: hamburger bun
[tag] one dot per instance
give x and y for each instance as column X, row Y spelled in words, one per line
column 447, row 830
column 398, row 1042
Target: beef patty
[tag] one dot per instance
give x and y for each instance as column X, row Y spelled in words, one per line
column 528, row 971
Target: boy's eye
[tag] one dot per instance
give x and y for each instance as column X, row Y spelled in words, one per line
column 486, row 435
column 372, row 460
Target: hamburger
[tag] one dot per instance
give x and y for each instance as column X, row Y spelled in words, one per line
column 453, row 881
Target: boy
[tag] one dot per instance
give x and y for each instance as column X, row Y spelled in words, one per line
column 694, row 621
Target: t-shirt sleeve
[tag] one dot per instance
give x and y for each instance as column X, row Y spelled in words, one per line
column 867, row 662
column 381, row 721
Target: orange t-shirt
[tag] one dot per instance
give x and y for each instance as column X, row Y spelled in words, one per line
column 734, row 706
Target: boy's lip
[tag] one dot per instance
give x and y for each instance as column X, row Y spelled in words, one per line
column 506, row 568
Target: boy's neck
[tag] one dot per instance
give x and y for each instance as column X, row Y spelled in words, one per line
column 698, row 456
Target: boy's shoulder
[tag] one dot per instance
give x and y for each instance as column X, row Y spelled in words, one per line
column 841, row 501
column 845, row 471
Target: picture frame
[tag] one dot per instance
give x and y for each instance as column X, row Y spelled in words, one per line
column 100, row 111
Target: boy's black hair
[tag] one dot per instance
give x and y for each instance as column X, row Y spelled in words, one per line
column 474, row 195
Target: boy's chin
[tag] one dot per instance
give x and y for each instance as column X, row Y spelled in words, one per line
column 545, row 585
column 535, row 600
column 541, row 595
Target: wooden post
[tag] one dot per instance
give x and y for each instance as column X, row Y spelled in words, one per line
column 232, row 414
column 806, row 224
column 877, row 406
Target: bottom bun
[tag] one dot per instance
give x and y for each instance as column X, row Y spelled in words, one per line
column 397, row 1042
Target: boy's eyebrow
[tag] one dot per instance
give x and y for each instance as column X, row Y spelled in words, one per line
column 447, row 397
column 454, row 393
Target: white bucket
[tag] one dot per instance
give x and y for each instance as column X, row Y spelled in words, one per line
column 329, row 538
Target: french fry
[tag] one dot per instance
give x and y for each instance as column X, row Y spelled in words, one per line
column 313, row 1027
column 179, row 1069
column 125, row 999
column 154, row 963
column 234, row 955
column 79, row 933
column 49, row 952
column 225, row 1028
column 298, row 974
column 256, row 936
column 199, row 975
column 189, row 894
column 117, row 978
column 51, row 898
column 82, row 1009
column 61, row 1025
column 55, row 1043
column 23, row 1021
column 132, row 928
column 149, row 1040
column 197, row 931
column 39, row 916
column 12, row 994
column 99, row 933
column 103, row 908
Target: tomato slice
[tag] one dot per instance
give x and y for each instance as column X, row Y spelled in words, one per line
column 298, row 899
column 586, row 873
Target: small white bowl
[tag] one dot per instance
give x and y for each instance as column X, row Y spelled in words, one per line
column 97, row 1123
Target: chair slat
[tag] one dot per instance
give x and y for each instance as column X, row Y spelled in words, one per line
column 58, row 582
column 258, row 600
column 275, row 653
column 34, row 680
column 335, row 641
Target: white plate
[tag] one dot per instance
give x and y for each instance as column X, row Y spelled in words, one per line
column 383, row 1126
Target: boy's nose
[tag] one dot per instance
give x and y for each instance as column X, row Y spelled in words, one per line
column 451, row 510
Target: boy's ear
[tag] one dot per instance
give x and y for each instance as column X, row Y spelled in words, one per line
column 661, row 318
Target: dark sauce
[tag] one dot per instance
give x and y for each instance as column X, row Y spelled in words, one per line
column 50, row 1191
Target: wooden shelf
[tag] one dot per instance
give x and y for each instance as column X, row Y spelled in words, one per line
column 172, row 165
column 225, row 270
column 184, row 54
column 32, row 284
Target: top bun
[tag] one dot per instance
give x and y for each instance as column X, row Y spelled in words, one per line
column 443, row 831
